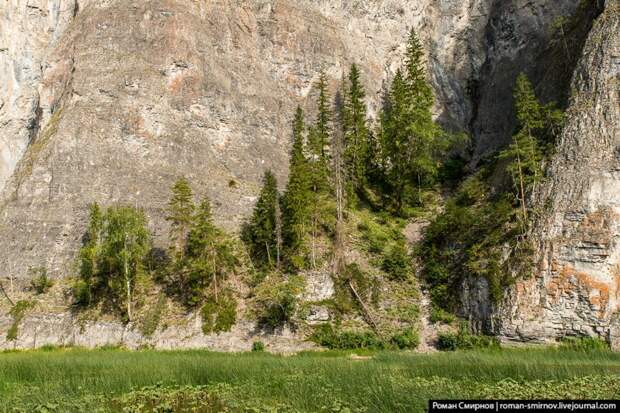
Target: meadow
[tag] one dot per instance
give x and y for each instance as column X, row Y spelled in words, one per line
column 116, row 380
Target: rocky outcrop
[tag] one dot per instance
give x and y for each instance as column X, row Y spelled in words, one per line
column 135, row 94
column 576, row 290
column 65, row 329
column 111, row 101
column 28, row 31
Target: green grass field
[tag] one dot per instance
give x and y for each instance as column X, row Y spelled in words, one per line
column 116, row 380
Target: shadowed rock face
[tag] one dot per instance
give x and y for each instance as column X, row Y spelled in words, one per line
column 576, row 289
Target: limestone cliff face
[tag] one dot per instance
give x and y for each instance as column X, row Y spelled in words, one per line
column 576, row 289
column 111, row 101
column 133, row 95
column 28, row 31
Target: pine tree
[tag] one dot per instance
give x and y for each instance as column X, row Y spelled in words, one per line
column 209, row 256
column 355, row 133
column 261, row 233
column 524, row 152
column 180, row 211
column 296, row 198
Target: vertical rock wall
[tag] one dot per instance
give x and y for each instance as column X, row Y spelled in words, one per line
column 28, row 31
column 576, row 290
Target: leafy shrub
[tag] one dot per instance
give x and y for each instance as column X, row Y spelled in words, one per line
column 258, row 346
column 81, row 292
column 447, row 342
column 220, row 315
column 277, row 298
column 18, row 311
column 396, row 262
column 406, row 339
column 439, row 315
column 151, row 321
column 584, row 344
column 41, row 283
column 464, row 341
column 325, row 336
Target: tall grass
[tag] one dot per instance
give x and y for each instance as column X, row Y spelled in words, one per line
column 389, row 381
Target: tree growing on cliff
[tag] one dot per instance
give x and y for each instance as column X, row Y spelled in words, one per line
column 410, row 139
column 356, row 134
column 296, row 198
column 88, row 258
column 263, row 232
column 524, row 153
column 180, row 212
column 209, row 257
column 126, row 242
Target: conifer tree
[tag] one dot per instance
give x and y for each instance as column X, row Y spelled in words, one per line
column 320, row 141
column 209, row 256
column 355, row 133
column 296, row 199
column 89, row 256
column 524, row 152
column 395, row 139
column 261, row 233
column 180, row 212
column 409, row 137
column 415, row 75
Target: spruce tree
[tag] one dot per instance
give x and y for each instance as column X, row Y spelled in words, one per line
column 524, row 152
column 355, row 133
column 261, row 233
column 209, row 256
column 321, row 139
column 180, row 211
column 395, row 139
column 410, row 139
column 296, row 198
column 415, row 75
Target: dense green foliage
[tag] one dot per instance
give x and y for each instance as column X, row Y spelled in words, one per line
column 220, row 315
column 209, row 257
column 112, row 257
column 116, row 260
column 482, row 231
column 465, row 341
column 276, row 299
column 411, row 142
column 356, row 134
column 263, row 233
column 40, row 282
column 180, row 213
column 79, row 381
column 326, row 336
column 296, row 198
